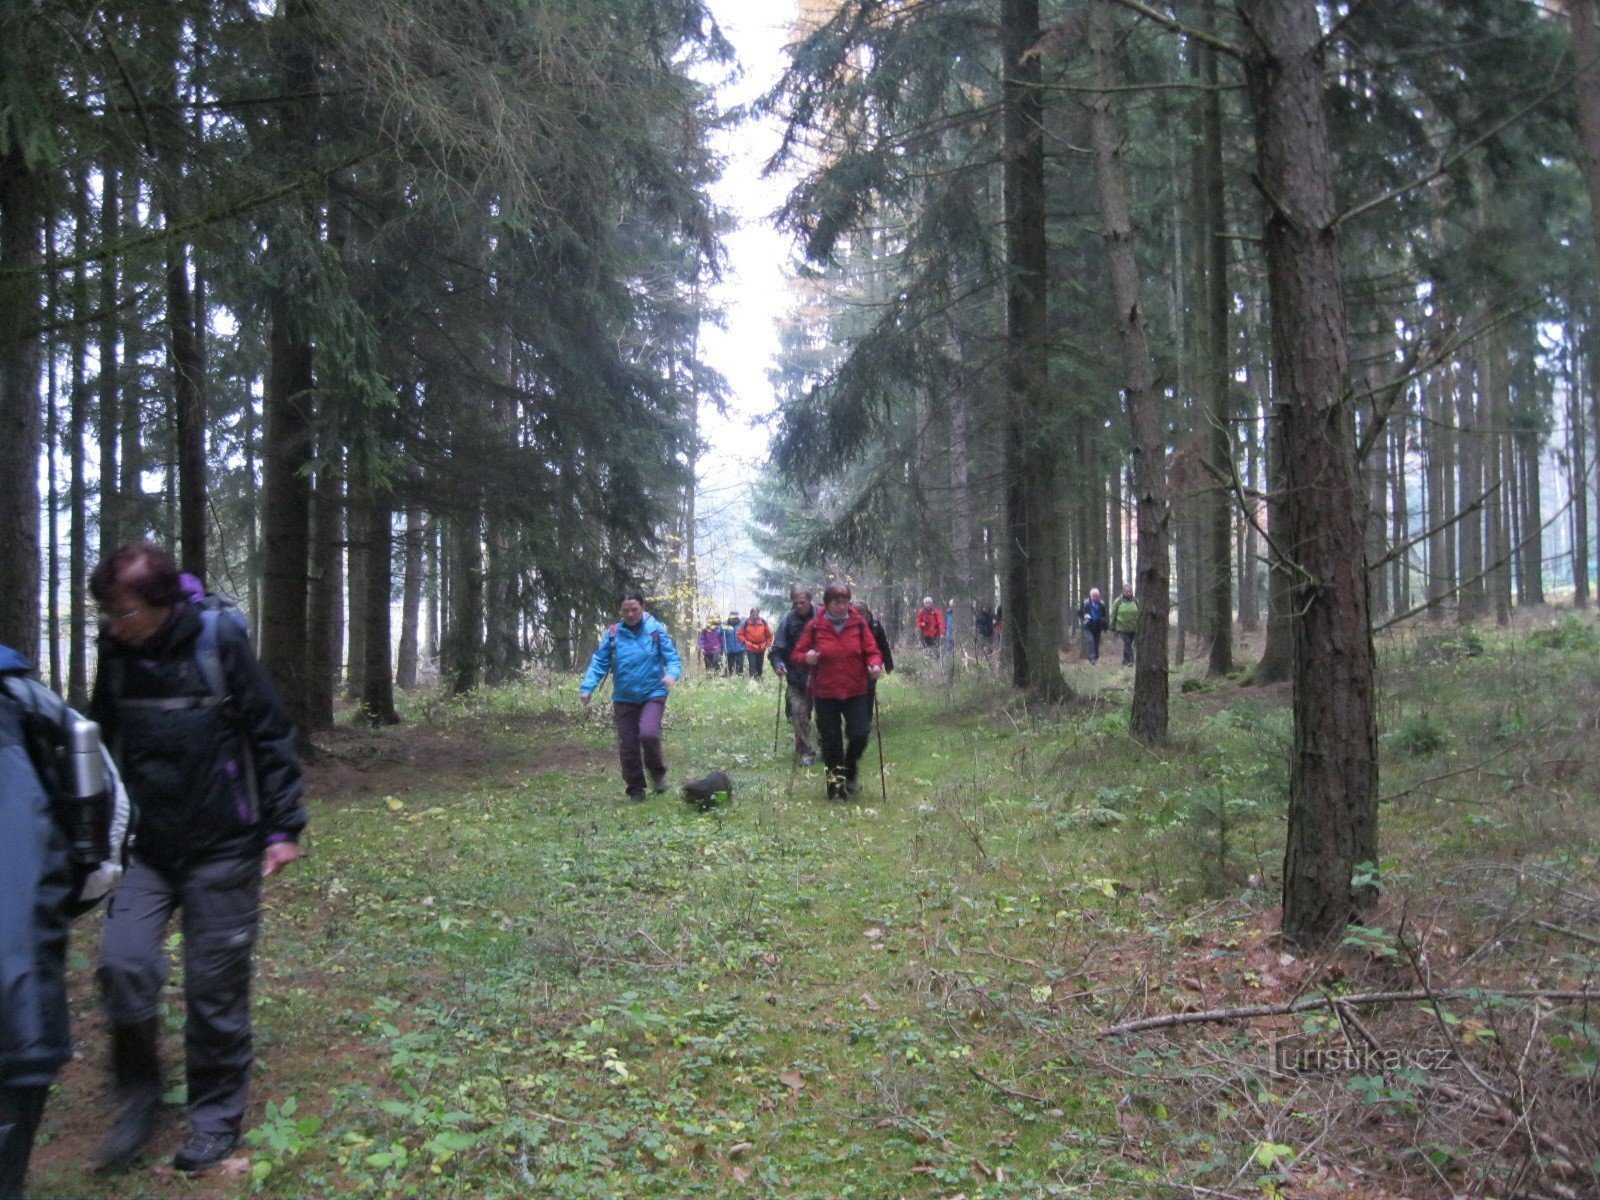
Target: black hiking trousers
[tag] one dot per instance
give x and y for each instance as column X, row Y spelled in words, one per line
column 220, row 898
column 845, row 729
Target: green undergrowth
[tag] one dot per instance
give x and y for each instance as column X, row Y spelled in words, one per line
column 527, row 987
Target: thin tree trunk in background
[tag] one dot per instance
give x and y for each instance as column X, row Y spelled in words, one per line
column 1578, row 473
column 286, row 511
column 188, row 389
column 357, row 524
column 1583, row 16
column 52, row 444
column 1333, row 783
column 21, row 430
column 1473, row 598
column 109, row 350
column 78, row 487
column 252, row 495
column 1532, row 540
column 1399, row 516
column 1033, row 526
column 1250, row 576
column 377, row 693
column 1148, row 718
column 1217, row 500
column 405, row 675
column 433, row 590
column 325, row 611
column 465, row 636
column 961, row 515
column 1277, row 655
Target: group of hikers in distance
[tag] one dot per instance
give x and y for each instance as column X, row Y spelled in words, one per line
column 829, row 660
column 737, row 643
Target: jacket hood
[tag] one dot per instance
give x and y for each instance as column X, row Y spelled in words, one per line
column 10, row 660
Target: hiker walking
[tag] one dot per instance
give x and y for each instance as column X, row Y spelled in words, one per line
column 930, row 626
column 710, row 643
column 756, row 635
column 1125, row 621
column 638, row 654
column 844, row 659
column 795, row 673
column 732, row 647
column 208, row 755
column 1092, row 616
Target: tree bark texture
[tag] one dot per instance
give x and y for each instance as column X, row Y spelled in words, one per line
column 1333, row 814
column 377, row 677
column 1148, row 720
column 1033, row 525
column 1217, row 500
column 21, row 249
column 405, row 674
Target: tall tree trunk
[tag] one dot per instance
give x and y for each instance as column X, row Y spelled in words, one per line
column 1033, row 527
column 78, row 494
column 1216, row 501
column 1532, row 519
column 109, row 350
column 52, row 445
column 377, row 676
column 961, row 514
column 325, row 611
column 188, row 389
column 286, row 510
column 1400, row 511
column 1333, row 782
column 433, row 591
column 288, row 405
column 1148, row 718
column 1473, row 598
column 21, row 248
column 405, row 675
column 465, row 635
column 1583, row 16
column 1250, row 576
column 1277, row 655
column 1578, row 471
column 357, row 524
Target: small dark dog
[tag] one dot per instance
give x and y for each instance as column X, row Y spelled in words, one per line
column 709, row 792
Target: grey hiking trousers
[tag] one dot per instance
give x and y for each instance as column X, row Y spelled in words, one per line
column 220, row 899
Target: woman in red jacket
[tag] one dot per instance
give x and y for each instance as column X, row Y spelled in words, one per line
column 843, row 657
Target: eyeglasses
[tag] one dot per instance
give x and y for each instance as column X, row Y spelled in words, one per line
column 111, row 618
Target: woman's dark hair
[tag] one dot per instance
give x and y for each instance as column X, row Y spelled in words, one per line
column 836, row 591
column 145, row 569
column 631, row 594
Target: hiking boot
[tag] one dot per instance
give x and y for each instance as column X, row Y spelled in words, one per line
column 636, row 797
column 204, row 1150
column 658, row 785
column 852, row 786
column 136, row 1083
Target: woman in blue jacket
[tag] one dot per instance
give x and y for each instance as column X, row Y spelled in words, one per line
column 639, row 656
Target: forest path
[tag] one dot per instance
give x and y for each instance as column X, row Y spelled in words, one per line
column 492, row 976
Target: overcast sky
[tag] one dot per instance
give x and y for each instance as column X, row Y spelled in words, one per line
column 753, row 293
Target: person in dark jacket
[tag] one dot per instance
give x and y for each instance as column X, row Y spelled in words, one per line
column 881, row 636
column 845, row 661
column 796, row 675
column 640, row 656
column 216, row 781
column 1092, row 616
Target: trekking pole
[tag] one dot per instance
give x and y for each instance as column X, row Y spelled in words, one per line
column 777, row 717
column 877, row 725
